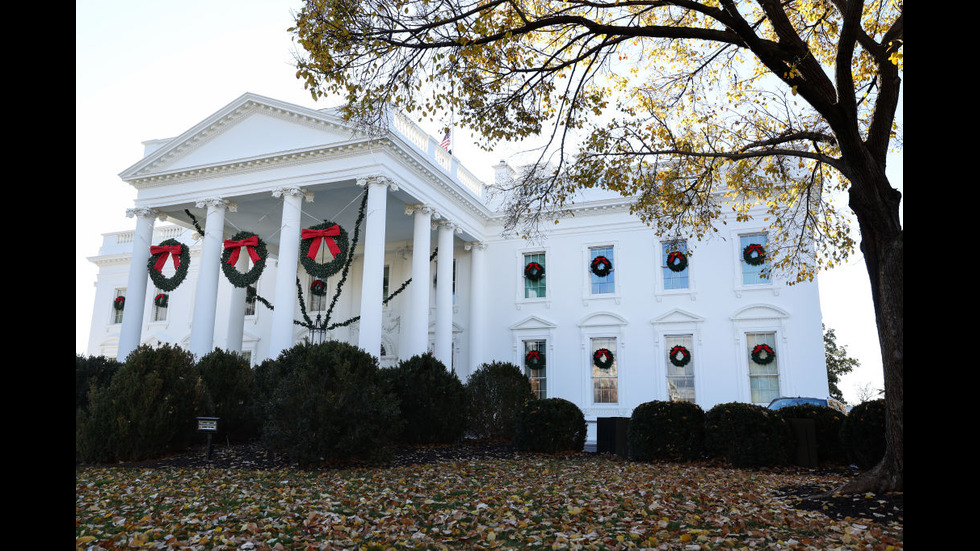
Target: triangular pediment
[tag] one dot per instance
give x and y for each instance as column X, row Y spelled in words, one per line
column 532, row 323
column 248, row 129
column 677, row 316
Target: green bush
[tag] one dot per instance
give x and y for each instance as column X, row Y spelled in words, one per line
column 231, row 386
column 329, row 402
column 666, row 431
column 747, row 435
column 827, row 422
column 863, row 434
column 550, row 425
column 149, row 409
column 495, row 394
column 92, row 371
column 432, row 401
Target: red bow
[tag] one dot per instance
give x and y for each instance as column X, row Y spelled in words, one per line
column 755, row 248
column 164, row 251
column 674, row 256
column 533, row 355
column 249, row 243
column 326, row 235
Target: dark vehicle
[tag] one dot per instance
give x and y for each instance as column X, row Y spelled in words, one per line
column 800, row 400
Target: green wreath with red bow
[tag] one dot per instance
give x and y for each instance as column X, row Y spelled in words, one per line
column 318, row 287
column 533, row 271
column 533, row 360
column 161, row 300
column 168, row 249
column 328, row 235
column 602, row 358
column 754, row 254
column 679, row 356
column 676, row 261
column 763, row 354
column 119, row 303
column 601, row 266
column 256, row 250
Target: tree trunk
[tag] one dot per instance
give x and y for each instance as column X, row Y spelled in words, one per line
column 876, row 205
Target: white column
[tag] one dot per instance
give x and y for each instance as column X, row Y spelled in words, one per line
column 236, row 310
column 444, row 295
column 418, row 314
column 206, row 296
column 281, row 336
column 372, row 278
column 132, row 324
column 477, row 327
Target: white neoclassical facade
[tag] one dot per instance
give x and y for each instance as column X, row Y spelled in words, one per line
column 277, row 170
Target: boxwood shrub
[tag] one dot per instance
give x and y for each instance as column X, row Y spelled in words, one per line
column 863, row 434
column 495, row 393
column 747, row 435
column 666, row 431
column 550, row 425
column 329, row 403
column 827, row 423
column 432, row 400
column 231, row 387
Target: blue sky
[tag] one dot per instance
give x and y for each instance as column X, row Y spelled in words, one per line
column 148, row 70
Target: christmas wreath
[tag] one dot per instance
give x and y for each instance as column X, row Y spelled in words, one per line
column 318, row 287
column 762, row 354
column 533, row 271
column 257, row 251
column 676, row 261
column 754, row 254
column 602, row 358
column 680, row 356
column 250, row 294
column 119, row 303
column 601, row 266
column 534, row 360
column 169, row 248
column 335, row 239
column 161, row 300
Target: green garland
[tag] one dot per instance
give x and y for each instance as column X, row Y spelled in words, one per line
column 239, row 279
column 183, row 263
column 339, row 262
column 759, row 358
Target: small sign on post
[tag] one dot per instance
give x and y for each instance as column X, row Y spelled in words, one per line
column 210, row 426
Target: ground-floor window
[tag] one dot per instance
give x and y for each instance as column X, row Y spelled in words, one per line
column 680, row 368
column 763, row 367
column 605, row 370
column 535, row 367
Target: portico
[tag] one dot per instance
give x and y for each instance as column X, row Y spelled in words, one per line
column 275, row 169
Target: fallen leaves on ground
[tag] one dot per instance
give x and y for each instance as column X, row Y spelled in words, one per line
column 581, row 501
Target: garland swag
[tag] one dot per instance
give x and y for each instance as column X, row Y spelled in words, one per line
column 257, row 251
column 158, row 258
column 601, row 266
column 754, row 254
column 762, row 354
column 602, row 358
column 680, row 356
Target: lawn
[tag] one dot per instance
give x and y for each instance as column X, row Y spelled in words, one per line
column 582, row 501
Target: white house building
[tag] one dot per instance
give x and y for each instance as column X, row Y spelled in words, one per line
column 595, row 304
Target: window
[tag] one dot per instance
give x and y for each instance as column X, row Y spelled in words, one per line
column 764, row 376
column 680, row 368
column 750, row 247
column 161, row 302
column 250, row 300
column 118, row 300
column 674, row 277
column 534, row 284
column 317, row 290
column 605, row 371
column 602, row 284
column 534, row 356
column 384, row 292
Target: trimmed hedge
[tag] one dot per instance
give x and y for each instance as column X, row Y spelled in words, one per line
column 863, row 434
column 149, row 409
column 329, row 403
column 231, row 386
column 550, row 425
column 747, row 435
column 495, row 393
column 432, row 400
column 666, row 431
column 92, row 373
column 827, row 423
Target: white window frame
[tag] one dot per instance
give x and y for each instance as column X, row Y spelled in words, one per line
column 661, row 290
column 543, row 378
column 604, row 324
column 519, row 298
column 617, row 261
column 740, row 264
column 116, row 316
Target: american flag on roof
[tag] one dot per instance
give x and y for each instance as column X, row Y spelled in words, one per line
column 447, row 142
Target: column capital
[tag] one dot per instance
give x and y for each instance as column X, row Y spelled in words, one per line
column 216, row 202
column 143, row 212
column 446, row 223
column 475, row 245
column 377, row 181
column 418, row 208
column 292, row 191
